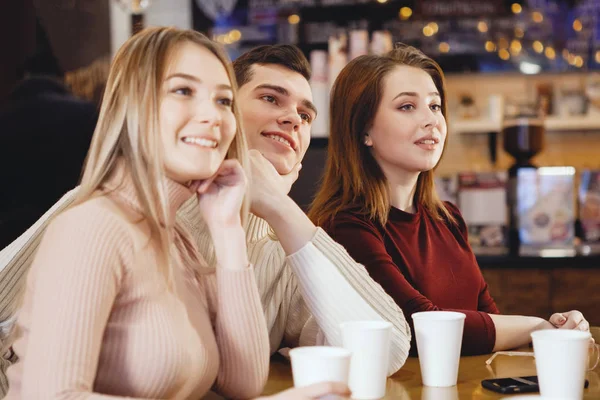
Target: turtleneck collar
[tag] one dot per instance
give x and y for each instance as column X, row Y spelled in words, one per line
column 121, row 184
column 402, row 216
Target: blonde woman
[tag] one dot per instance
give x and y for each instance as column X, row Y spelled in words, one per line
column 119, row 303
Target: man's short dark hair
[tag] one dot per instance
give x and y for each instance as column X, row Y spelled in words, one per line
column 286, row 55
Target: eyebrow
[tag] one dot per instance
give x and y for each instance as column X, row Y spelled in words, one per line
column 415, row 94
column 196, row 79
column 284, row 92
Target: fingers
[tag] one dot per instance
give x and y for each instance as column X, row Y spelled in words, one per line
column 324, row 388
column 557, row 319
column 229, row 173
column 570, row 320
column 205, row 184
column 292, row 176
column 583, row 325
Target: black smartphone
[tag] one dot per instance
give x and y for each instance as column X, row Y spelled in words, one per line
column 524, row 384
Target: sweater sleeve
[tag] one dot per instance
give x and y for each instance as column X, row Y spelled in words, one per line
column 242, row 335
column 15, row 260
column 337, row 289
column 74, row 281
column 366, row 245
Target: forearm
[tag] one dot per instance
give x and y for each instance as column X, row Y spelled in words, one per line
column 230, row 246
column 291, row 225
column 513, row 331
column 242, row 335
column 332, row 299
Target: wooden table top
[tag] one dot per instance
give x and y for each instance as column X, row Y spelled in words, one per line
column 406, row 383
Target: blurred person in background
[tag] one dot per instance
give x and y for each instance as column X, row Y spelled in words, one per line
column 46, row 131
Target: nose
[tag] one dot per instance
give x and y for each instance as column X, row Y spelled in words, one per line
column 208, row 113
column 290, row 119
column 429, row 118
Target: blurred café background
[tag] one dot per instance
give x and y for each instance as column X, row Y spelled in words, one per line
column 523, row 80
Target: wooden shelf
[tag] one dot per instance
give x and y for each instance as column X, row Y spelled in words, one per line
column 552, row 124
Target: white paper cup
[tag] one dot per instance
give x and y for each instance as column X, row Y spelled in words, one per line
column 561, row 360
column 439, row 339
column 314, row 364
column 369, row 342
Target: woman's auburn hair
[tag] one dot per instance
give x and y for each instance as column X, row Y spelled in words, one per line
column 353, row 179
column 128, row 131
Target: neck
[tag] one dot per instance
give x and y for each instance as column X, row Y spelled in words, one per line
column 402, row 190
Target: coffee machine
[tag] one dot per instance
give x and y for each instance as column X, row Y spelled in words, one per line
column 523, row 138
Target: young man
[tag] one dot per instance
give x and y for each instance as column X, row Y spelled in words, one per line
column 309, row 284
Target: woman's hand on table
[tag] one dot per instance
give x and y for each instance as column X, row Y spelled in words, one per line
column 314, row 391
column 570, row 320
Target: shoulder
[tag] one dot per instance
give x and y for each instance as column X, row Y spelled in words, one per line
column 96, row 223
column 350, row 220
column 460, row 225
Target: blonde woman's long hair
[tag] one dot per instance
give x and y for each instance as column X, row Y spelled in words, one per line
column 128, row 130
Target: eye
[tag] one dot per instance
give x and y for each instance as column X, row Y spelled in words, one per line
column 184, row 91
column 306, row 117
column 406, row 107
column 436, row 107
column 225, row 101
column 269, row 98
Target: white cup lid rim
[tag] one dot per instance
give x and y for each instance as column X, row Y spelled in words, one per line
column 439, row 315
column 323, row 351
column 560, row 334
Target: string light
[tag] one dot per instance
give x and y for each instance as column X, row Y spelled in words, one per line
column 504, row 54
column 294, row 19
column 515, row 47
column 597, row 57
column 405, row 13
column 516, row 8
column 519, row 32
column 482, row 26
column 444, row 47
column 537, row 17
column 550, row 53
column 490, row 46
column 235, row 35
column 538, row 46
column 577, row 25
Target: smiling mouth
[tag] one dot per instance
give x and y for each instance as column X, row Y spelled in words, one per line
column 280, row 140
column 427, row 141
column 201, row 142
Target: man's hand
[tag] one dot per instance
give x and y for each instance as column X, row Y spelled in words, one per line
column 267, row 188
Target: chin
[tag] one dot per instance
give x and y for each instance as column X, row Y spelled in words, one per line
column 281, row 164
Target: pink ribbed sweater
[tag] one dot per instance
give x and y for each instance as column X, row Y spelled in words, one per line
column 98, row 321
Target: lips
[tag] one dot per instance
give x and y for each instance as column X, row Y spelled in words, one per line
column 201, row 142
column 428, row 140
column 281, row 138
